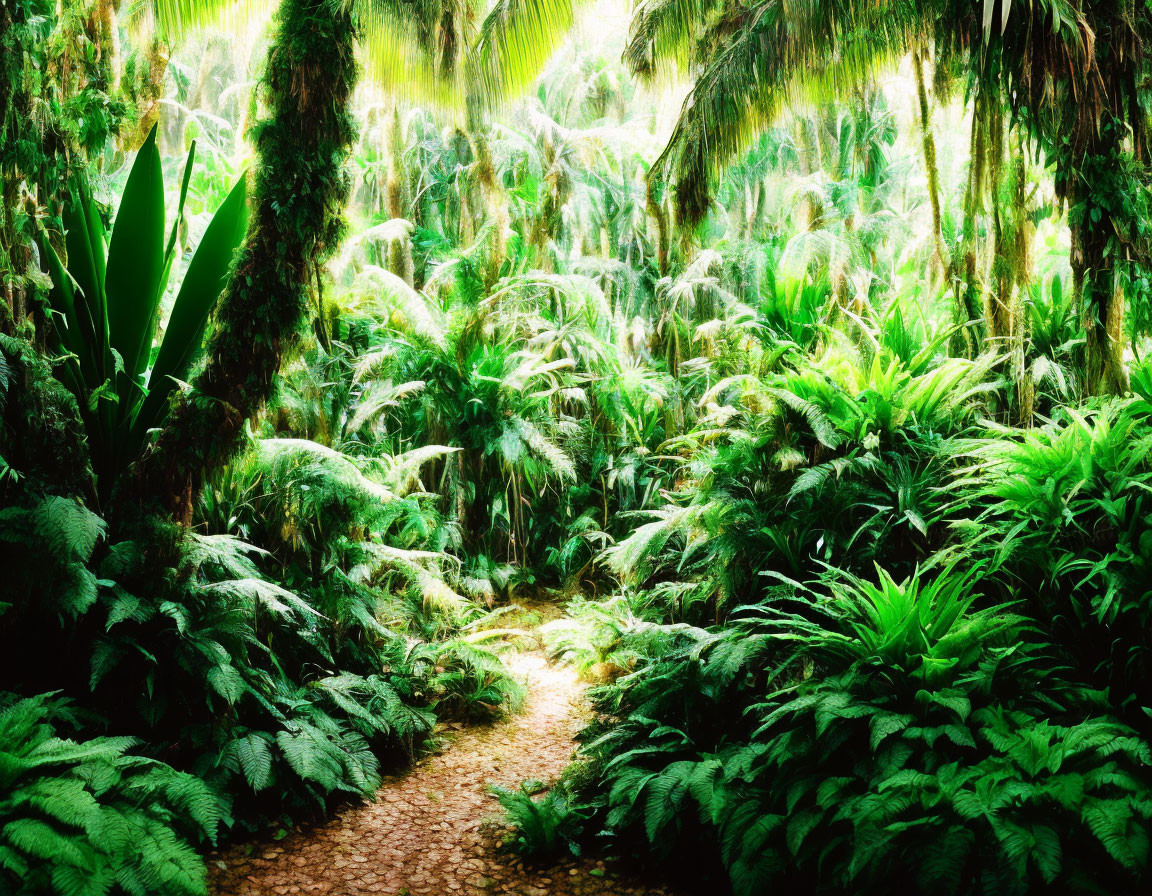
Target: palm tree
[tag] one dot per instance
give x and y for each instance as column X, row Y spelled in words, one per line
column 1069, row 72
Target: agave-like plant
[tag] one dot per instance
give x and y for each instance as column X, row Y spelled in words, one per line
column 107, row 301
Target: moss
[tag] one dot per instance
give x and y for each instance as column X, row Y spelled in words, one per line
column 41, row 434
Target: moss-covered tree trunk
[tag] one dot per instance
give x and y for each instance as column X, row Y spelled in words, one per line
column 972, row 287
column 932, row 173
column 149, row 102
column 1101, row 303
column 1103, row 226
column 300, row 189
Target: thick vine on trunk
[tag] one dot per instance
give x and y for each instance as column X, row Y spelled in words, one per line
column 300, row 188
column 1104, row 232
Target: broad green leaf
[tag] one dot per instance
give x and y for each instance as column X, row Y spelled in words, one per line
column 169, row 252
column 63, row 298
column 84, row 243
column 136, row 260
column 203, row 283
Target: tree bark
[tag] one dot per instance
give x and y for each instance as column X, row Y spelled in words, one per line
column 300, row 188
column 1102, row 308
column 928, row 145
column 150, row 102
column 973, row 203
column 1094, row 254
column 659, row 215
column 106, row 12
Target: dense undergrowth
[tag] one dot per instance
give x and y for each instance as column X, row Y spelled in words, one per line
column 862, row 549
column 966, row 715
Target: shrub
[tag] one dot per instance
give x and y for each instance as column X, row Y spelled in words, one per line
column 867, row 734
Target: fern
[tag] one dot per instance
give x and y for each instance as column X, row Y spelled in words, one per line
column 55, row 536
column 921, row 751
column 251, row 755
column 544, row 826
column 822, row 426
column 83, row 817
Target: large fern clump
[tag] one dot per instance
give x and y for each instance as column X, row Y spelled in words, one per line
column 55, row 537
column 229, row 674
column 357, row 537
column 1066, row 509
column 844, row 463
column 89, row 818
column 249, row 692
column 866, row 734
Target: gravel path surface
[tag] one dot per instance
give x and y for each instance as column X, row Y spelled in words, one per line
column 435, row 830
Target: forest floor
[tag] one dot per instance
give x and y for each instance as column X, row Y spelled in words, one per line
column 435, row 829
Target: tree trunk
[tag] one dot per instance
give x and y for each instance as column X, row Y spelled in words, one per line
column 150, row 102
column 659, row 215
column 109, row 48
column 300, row 187
column 1095, row 252
column 928, row 145
column 972, row 288
column 398, row 203
column 1102, row 306
column 999, row 295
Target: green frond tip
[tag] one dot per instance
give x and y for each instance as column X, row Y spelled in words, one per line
column 411, row 49
column 664, row 31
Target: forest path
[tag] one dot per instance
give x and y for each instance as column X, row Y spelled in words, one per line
column 434, row 829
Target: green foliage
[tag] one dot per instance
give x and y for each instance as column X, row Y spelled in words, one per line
column 53, row 539
column 59, row 108
column 544, row 824
column 841, row 465
column 247, row 685
column 363, row 553
column 1066, row 508
column 88, row 817
column 466, row 680
column 861, row 574
column 875, row 733
column 106, row 307
column 599, row 637
column 41, row 433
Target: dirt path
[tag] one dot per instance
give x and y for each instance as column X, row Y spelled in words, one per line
column 434, row 830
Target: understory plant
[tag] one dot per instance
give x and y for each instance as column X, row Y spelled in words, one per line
column 89, row 817
column 866, row 733
column 1065, row 508
column 107, row 302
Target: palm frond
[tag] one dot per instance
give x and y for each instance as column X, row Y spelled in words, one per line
column 664, row 31
column 516, row 39
column 177, row 17
column 389, row 293
column 778, row 52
